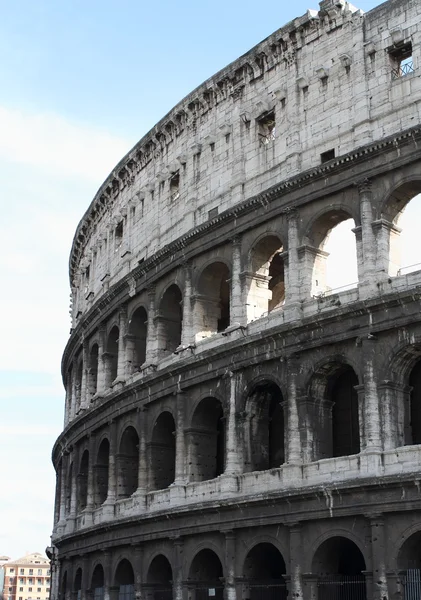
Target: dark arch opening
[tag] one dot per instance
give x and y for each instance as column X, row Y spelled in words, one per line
column 264, row 434
column 82, row 482
column 264, row 570
column 212, row 307
column 111, row 356
column 345, row 419
column 78, row 584
column 136, row 341
column 162, row 452
column 206, row 573
column 128, row 463
column 409, row 557
column 170, row 319
column 414, row 436
column 93, row 370
column 68, row 490
column 159, row 578
column 78, row 385
column 340, row 567
column 207, row 441
column 266, row 281
column 101, row 472
column 97, row 583
column 124, row 580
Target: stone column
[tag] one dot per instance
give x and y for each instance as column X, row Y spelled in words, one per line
column 360, row 255
column 237, row 305
column 293, row 443
column 371, row 414
column 312, row 271
column 180, row 453
column 121, row 361
column 138, row 574
column 64, row 468
column 112, row 472
column 378, row 541
column 108, row 582
column 100, row 388
column 368, row 240
column 178, row 568
column 187, row 334
column 84, row 400
column 74, row 407
column 85, row 595
column 232, row 465
column 292, row 307
column 73, row 492
column 394, row 401
column 152, row 339
column 142, row 478
column 69, row 399
column 70, row 579
column 90, row 500
column 296, row 555
column 387, row 235
column 230, row 590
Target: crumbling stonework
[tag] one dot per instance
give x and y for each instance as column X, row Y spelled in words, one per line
column 232, row 426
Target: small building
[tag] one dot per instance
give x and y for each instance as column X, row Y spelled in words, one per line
column 27, row 578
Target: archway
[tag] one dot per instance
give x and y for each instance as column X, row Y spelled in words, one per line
column 264, row 428
column 414, row 430
column 266, row 279
column 159, row 579
column 101, row 472
column 77, row 588
column 82, row 482
column 409, row 565
column 97, row 583
column 345, row 419
column 207, row 441
column 340, row 566
column 128, row 463
column 124, row 580
column 212, row 302
column 136, row 340
column 263, row 572
column 205, row 575
column 329, row 259
column 93, row 371
column 170, row 318
column 162, row 452
column 111, row 356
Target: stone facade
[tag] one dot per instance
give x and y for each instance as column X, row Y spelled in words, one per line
column 233, row 427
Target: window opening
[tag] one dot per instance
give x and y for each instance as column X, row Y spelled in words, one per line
column 328, row 155
column 267, row 128
column 175, row 186
column 212, row 213
column 118, row 235
column 402, row 62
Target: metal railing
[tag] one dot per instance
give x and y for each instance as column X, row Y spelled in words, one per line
column 405, row 68
column 342, row 587
column 412, row 584
column 409, row 269
column 268, row 591
column 337, row 290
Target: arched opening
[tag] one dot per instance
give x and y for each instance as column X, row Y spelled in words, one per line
column 82, row 482
column 68, row 490
column 162, row 452
column 264, row 570
column 128, row 463
column 170, row 318
column 78, row 585
column 93, row 371
column 111, row 356
column 345, row 419
column 329, row 258
column 205, row 575
column 266, row 279
column 212, row 302
column 264, row 428
column 101, row 472
column 136, row 340
column 409, row 565
column 339, row 565
column 207, row 441
column 397, row 243
column 414, row 434
column 159, row 579
column 97, row 583
column 124, row 580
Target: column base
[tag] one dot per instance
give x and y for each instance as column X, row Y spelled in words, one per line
column 148, row 368
column 177, row 493
column 139, row 499
column 371, row 462
column 108, row 508
column 293, row 311
column 292, row 473
column 229, row 484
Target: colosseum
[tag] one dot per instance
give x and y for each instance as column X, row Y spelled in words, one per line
column 234, row 427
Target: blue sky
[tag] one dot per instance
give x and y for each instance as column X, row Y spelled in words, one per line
column 81, row 82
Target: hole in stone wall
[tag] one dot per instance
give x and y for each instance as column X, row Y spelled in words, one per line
column 162, row 452
column 111, row 356
column 128, row 463
column 136, row 340
column 212, row 307
column 170, row 321
column 266, row 124
column 328, row 155
column 82, row 482
column 207, row 441
column 101, row 473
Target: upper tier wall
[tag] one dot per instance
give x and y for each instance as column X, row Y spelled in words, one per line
column 323, row 82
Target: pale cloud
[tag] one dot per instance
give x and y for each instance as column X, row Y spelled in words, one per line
column 52, row 142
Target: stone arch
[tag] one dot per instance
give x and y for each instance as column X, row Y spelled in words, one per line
column 169, row 320
column 93, row 370
column 124, row 580
column 333, row 410
column 128, row 463
column 264, row 569
column 136, row 339
column 264, row 427
column 205, row 573
column 77, row 585
column 339, row 565
column 314, row 257
column 206, row 440
column 82, row 482
column 409, row 553
column 162, row 452
column 159, row 578
column 111, row 356
column 101, row 470
column 212, row 300
column 265, row 276
column 98, row 582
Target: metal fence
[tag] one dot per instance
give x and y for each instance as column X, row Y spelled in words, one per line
column 209, row 591
column 268, row 591
column 342, row 587
column 412, row 584
column 405, row 68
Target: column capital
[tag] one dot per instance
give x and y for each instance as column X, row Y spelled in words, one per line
column 236, row 240
column 291, row 213
column 364, row 186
